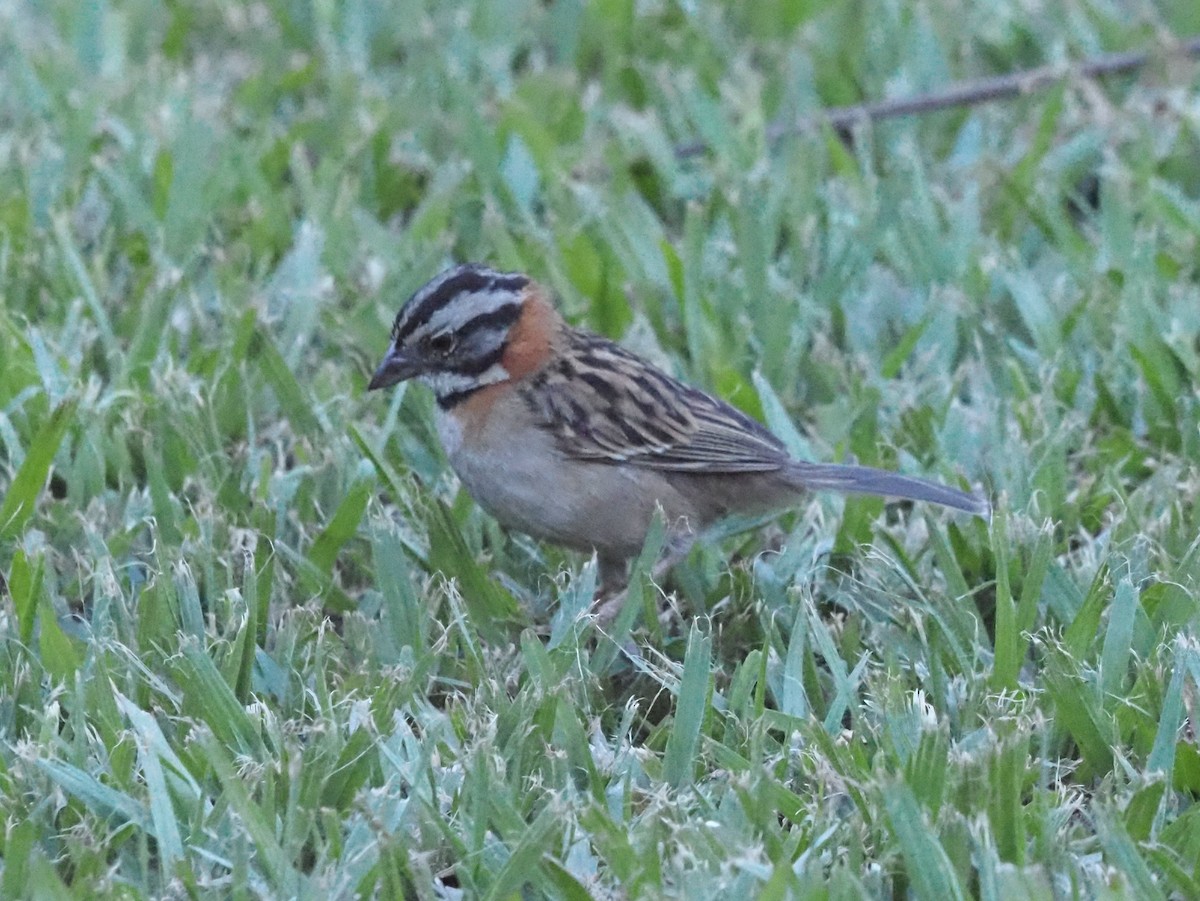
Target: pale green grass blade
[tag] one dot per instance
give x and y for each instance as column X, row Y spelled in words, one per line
column 102, row 800
column 845, row 681
column 1114, row 658
column 691, row 705
column 639, row 599
column 157, row 743
column 523, row 862
column 956, row 582
column 250, row 816
column 568, row 886
column 778, row 420
column 925, row 770
column 1034, row 578
column 382, row 467
column 405, row 614
column 794, row 701
column 162, row 814
column 1162, row 755
column 1124, row 854
column 189, row 610
column 573, row 604
column 87, row 286
column 45, row 884
column 240, row 664
column 1143, row 810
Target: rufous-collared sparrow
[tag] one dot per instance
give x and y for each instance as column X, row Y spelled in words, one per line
column 567, row 437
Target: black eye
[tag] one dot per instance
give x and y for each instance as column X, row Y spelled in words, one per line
column 441, row 343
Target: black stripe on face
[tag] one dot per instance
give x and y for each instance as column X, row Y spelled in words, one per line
column 477, row 365
column 449, row 401
column 466, row 279
column 499, row 319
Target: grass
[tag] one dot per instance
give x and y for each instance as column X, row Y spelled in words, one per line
column 256, row 642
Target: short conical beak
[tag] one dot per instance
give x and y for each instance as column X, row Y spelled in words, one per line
column 395, row 368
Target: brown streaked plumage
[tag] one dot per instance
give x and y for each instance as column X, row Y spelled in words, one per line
column 566, row 436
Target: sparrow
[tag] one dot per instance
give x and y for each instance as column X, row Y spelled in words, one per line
column 564, row 435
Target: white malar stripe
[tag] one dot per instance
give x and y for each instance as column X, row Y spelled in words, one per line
column 491, row 375
column 445, row 384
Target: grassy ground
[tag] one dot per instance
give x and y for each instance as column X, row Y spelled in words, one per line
column 255, row 642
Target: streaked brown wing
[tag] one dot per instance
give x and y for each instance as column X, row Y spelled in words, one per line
column 620, row 409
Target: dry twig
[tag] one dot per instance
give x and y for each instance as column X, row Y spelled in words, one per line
column 967, row 93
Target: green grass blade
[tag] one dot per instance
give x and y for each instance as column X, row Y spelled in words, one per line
column 20, row 500
column 250, row 815
column 1162, row 754
column 490, row 605
column 1081, row 632
column 1006, row 799
column 1118, row 638
column 1007, row 648
column 928, row 868
column 209, row 698
column 101, row 799
column 794, row 701
column 1122, row 853
column 341, row 527
column 297, row 407
column 1077, row 708
column 25, row 581
column 690, row 709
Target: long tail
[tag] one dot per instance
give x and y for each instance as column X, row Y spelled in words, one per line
column 865, row 480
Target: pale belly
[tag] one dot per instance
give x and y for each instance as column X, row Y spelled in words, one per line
column 529, row 486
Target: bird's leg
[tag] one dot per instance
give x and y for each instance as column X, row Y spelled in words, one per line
column 679, row 545
column 614, row 576
column 614, row 586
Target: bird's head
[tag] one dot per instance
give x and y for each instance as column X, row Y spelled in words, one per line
column 457, row 333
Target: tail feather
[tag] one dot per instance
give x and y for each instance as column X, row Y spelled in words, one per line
column 865, row 480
